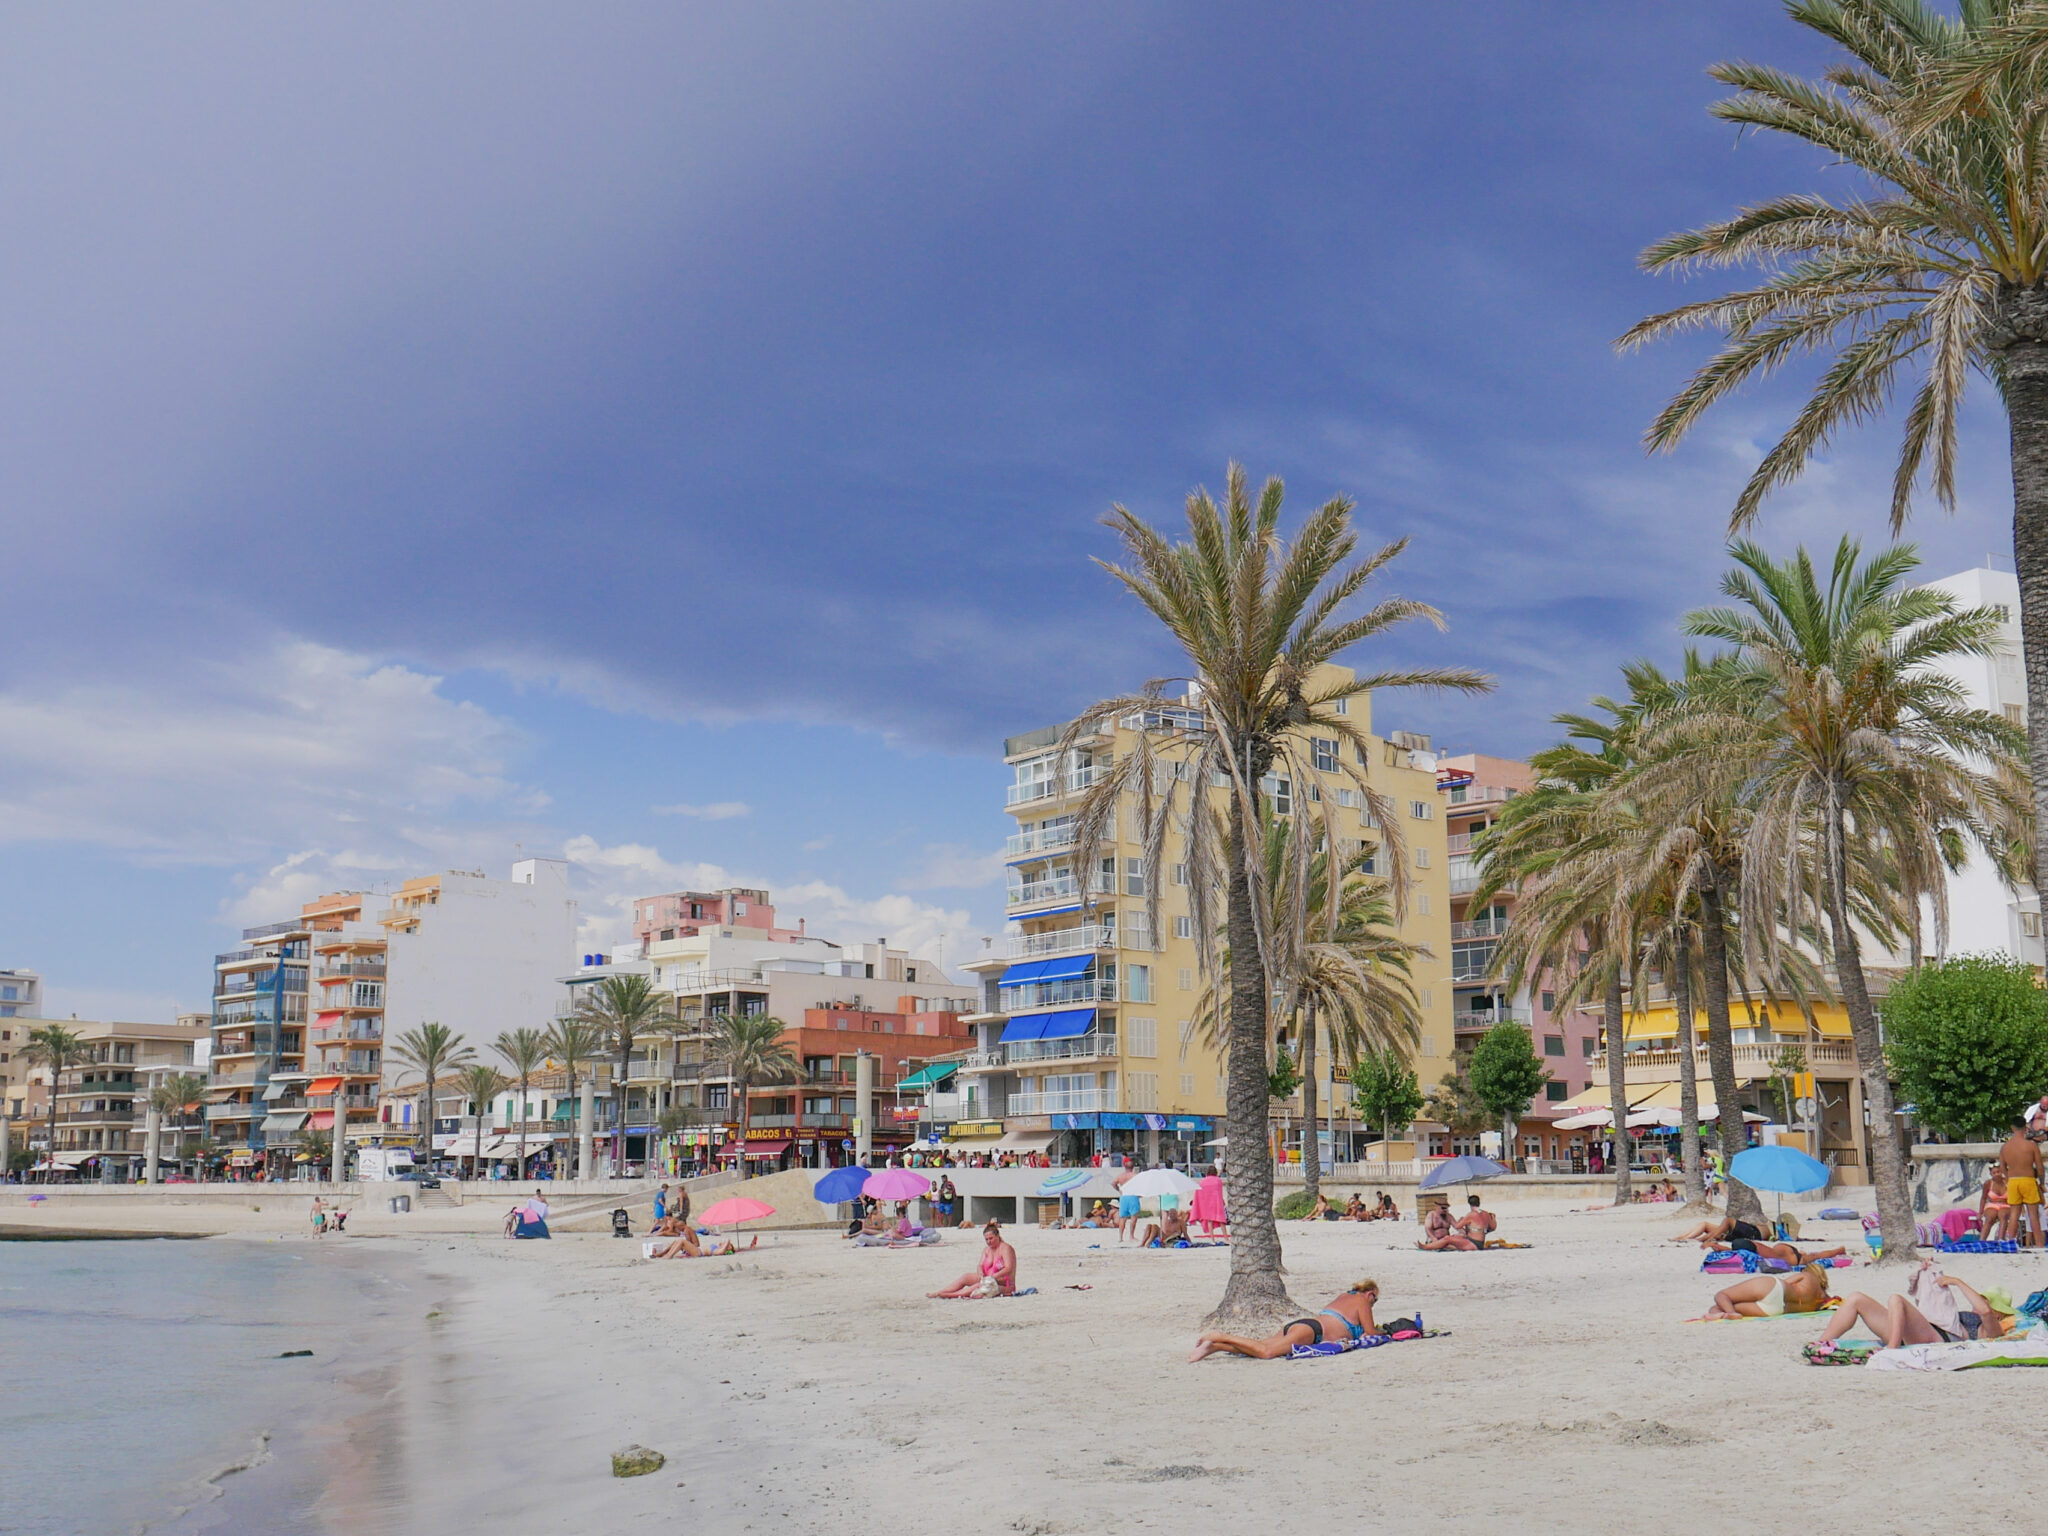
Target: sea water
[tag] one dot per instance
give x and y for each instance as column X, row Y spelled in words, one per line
column 144, row 1389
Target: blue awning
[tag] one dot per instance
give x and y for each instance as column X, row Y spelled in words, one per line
column 1063, row 969
column 1063, row 1026
column 1025, row 1029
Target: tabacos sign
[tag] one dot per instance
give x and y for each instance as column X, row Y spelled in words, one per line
column 755, row 1133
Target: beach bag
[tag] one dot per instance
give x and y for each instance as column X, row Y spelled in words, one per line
column 990, row 1286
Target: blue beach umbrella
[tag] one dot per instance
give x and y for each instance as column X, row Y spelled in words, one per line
column 1461, row 1170
column 1782, row 1170
column 1066, row 1179
column 838, row 1185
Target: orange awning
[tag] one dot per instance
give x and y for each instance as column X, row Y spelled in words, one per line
column 322, row 1087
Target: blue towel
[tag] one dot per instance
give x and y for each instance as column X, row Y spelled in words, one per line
column 1976, row 1245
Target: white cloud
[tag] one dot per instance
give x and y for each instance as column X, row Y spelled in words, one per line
column 948, row 866
column 818, row 844
column 720, row 810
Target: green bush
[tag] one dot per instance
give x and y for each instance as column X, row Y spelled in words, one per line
column 1967, row 1041
column 1293, row 1207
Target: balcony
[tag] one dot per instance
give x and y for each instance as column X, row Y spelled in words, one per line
column 1062, row 941
column 1752, row 1060
column 1076, row 1101
column 1464, row 875
column 1477, row 1021
column 234, row 1111
column 1475, row 795
column 1458, row 842
column 237, row 986
column 369, row 970
column 1033, row 893
column 365, row 1034
column 1485, row 928
column 1059, row 994
column 360, row 998
column 1079, row 1048
column 985, row 1061
column 272, row 930
column 1071, row 782
column 1473, row 962
column 1051, row 840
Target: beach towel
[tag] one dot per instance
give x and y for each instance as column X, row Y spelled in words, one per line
column 1967, row 1356
column 1976, row 1245
column 1827, row 1306
column 1739, row 1262
column 1330, row 1347
column 1958, row 1224
column 1840, row 1351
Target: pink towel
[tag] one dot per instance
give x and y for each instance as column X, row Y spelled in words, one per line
column 1958, row 1223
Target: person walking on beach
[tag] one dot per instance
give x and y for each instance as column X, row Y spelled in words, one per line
column 2020, row 1160
column 661, row 1203
column 942, row 1201
column 1127, row 1206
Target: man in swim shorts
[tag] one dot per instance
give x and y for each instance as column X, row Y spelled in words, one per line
column 2020, row 1160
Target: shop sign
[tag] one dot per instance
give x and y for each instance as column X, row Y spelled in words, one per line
column 768, row 1133
column 967, row 1128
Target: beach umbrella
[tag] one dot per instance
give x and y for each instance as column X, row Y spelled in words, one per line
column 895, row 1184
column 1066, row 1179
column 1154, row 1182
column 1461, row 1170
column 1782, row 1170
column 728, row 1213
column 840, row 1184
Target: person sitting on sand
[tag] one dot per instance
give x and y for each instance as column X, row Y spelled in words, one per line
column 1353, row 1309
column 1993, row 1213
column 1169, row 1229
column 1354, row 1209
column 1436, row 1223
column 1772, row 1295
column 1470, row 1234
column 995, row 1275
column 683, row 1242
column 1718, row 1231
column 1899, row 1322
column 1388, row 1210
column 1320, row 1210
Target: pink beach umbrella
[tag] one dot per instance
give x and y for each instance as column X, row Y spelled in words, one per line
column 895, row 1184
column 727, row 1213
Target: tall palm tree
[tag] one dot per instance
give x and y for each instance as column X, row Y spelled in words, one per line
column 524, row 1049
column 432, row 1050
column 60, row 1049
column 179, row 1095
column 1853, row 750
column 619, row 1011
column 1258, row 618
column 480, row 1084
column 1941, row 271
column 749, row 1046
column 1338, row 965
column 574, row 1043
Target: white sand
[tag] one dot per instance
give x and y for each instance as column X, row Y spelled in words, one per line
column 811, row 1382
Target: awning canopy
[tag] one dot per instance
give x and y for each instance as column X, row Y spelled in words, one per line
column 767, row 1148
column 931, row 1076
column 322, row 1120
column 322, row 1087
column 283, row 1120
column 1063, row 1025
column 1026, row 1141
column 565, row 1110
column 276, row 1091
column 1063, row 969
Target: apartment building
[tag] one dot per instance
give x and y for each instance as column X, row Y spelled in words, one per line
column 103, row 1101
column 21, row 998
column 257, row 1101
column 346, row 1043
column 1086, row 1034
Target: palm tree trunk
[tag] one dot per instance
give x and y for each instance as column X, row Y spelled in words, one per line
column 1617, row 1082
column 50, row 1152
column 1689, row 1148
column 745, row 1083
column 1887, row 1160
column 1255, row 1295
column 1312, row 1146
column 522, row 1125
column 2019, row 333
column 430, row 1118
column 619, row 1112
column 1742, row 1201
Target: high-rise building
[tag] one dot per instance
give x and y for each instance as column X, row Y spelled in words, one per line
column 346, row 1044
column 103, row 1101
column 1088, row 1026
column 257, row 1104
column 21, row 997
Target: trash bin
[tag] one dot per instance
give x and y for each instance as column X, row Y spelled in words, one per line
column 400, row 1203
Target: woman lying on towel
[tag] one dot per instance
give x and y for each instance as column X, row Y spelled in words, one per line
column 1953, row 1313
column 996, row 1275
column 1803, row 1290
column 682, row 1242
column 1785, row 1253
column 1719, row 1232
column 1353, row 1310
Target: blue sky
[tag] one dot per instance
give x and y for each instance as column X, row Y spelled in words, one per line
column 437, row 435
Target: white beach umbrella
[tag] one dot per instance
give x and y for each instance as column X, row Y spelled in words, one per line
column 1154, row 1182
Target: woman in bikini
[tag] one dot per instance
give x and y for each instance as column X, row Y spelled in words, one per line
column 1898, row 1322
column 1803, row 1290
column 1993, row 1214
column 1783, row 1252
column 998, row 1264
column 1353, row 1309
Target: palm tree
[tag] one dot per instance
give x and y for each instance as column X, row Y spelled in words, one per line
column 1259, row 619
column 480, row 1084
column 1854, row 753
column 749, row 1046
column 619, row 1010
column 1338, row 965
column 1943, row 271
column 524, row 1049
column 179, row 1094
column 432, row 1050
column 573, row 1042
column 317, row 1147
column 60, row 1049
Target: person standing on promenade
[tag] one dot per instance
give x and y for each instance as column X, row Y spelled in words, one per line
column 2020, row 1159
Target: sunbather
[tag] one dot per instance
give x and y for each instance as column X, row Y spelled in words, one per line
column 1388, row 1210
column 1353, row 1309
column 682, row 1242
column 1354, row 1210
column 1470, row 1233
column 1320, row 1209
column 1718, row 1231
column 1785, row 1253
column 1170, row 1228
column 1436, row 1223
column 996, row 1275
column 1803, row 1290
column 1898, row 1321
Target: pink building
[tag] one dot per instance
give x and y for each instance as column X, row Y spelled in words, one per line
column 682, row 914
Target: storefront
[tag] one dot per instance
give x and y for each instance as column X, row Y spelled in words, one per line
column 1146, row 1138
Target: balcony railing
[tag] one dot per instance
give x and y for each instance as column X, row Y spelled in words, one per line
column 1478, row 794
column 1485, row 928
column 1059, row 994
column 1017, row 844
column 371, row 970
column 1464, row 874
column 1064, row 886
column 1063, row 941
column 1473, row 962
column 1819, row 1053
column 1458, row 842
column 272, row 930
column 1077, row 1101
column 1477, row 1020
column 1070, row 782
column 986, row 1061
column 1075, row 1049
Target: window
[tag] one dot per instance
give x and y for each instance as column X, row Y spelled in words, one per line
column 1142, row 1090
column 739, row 909
column 1340, row 706
column 2016, row 714
column 910, row 974
column 1421, row 902
column 1282, row 792
column 1187, row 978
column 1348, row 798
column 1141, row 1037
column 1553, row 1045
column 1183, row 927
column 1138, row 983
column 1589, row 1046
column 1180, row 874
column 715, row 1095
column 1554, row 1092
column 1134, row 877
column 1419, row 809
column 1549, row 1001
column 1429, row 997
column 1429, row 1045
column 1324, row 754
column 1422, row 858
column 1186, row 1030
column 697, row 909
column 2030, row 924
column 1187, row 1085
column 2004, row 613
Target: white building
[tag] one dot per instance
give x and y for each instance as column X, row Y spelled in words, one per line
column 1985, row 916
column 21, row 994
column 476, row 954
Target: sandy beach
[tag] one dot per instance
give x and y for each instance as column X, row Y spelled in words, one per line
column 808, row 1381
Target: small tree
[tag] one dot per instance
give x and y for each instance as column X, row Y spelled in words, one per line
column 1386, row 1090
column 480, row 1084
column 1967, row 1041
column 1284, row 1080
column 1454, row 1104
column 1506, row 1076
